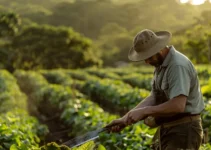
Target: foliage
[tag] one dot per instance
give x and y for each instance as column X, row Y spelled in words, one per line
column 89, row 145
column 198, row 46
column 86, row 146
column 50, row 47
column 206, row 116
column 206, row 146
column 205, row 17
column 137, row 136
column 9, row 27
column 73, row 105
column 128, row 138
column 54, row 146
column 102, row 73
column 54, row 88
column 138, row 80
column 9, row 23
column 18, row 130
column 114, row 41
column 57, row 77
column 204, row 72
column 81, row 75
column 195, row 43
column 30, row 82
column 139, row 11
column 110, row 28
column 11, row 96
column 76, row 109
column 116, row 92
column 206, row 89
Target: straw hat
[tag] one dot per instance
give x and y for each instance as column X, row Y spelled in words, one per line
column 147, row 43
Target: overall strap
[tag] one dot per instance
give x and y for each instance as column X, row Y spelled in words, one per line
column 156, row 86
column 160, row 73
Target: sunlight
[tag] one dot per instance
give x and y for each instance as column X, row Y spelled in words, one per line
column 184, row 1
column 197, row 2
column 194, row 2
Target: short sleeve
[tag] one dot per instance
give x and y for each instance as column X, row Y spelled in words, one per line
column 179, row 80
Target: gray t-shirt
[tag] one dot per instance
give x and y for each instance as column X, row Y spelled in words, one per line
column 180, row 78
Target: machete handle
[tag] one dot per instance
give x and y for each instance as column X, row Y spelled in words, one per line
column 107, row 128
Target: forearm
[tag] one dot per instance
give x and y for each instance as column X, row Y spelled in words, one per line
column 148, row 101
column 171, row 107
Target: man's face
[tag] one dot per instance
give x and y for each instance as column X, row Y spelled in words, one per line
column 155, row 60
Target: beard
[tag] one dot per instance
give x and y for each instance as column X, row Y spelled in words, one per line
column 159, row 60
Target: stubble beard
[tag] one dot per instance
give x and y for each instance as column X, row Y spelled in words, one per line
column 159, row 61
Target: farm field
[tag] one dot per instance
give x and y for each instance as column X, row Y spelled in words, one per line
column 42, row 109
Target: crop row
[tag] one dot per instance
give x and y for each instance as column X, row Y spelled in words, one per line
column 18, row 130
column 115, row 94
column 107, row 92
column 134, row 79
column 73, row 105
column 138, row 136
column 75, row 109
column 139, row 76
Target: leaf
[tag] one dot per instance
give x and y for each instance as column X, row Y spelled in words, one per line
column 101, row 147
column 13, row 147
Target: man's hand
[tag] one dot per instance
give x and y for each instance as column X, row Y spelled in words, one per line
column 136, row 115
column 118, row 124
column 150, row 121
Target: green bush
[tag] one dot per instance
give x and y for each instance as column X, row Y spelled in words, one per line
column 18, row 130
column 116, row 92
column 206, row 89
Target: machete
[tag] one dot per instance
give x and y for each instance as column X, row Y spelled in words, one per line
column 92, row 135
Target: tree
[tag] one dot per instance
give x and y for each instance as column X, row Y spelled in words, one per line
column 50, row 47
column 9, row 23
column 114, row 42
column 197, row 43
column 9, row 27
column 206, row 16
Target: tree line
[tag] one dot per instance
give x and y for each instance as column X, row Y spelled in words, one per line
column 75, row 34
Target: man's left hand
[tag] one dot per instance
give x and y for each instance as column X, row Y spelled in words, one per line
column 136, row 115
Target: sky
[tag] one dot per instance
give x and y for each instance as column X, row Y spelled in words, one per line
column 194, row 2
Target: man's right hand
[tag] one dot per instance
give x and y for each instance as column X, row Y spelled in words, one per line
column 117, row 125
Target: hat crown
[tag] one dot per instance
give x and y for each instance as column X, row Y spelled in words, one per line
column 144, row 40
column 147, row 43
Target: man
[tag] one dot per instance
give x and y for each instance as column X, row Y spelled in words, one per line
column 175, row 102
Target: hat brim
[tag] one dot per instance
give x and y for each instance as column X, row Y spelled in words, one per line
column 163, row 39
